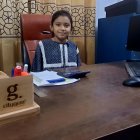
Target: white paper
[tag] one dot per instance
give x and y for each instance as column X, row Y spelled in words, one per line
column 41, row 78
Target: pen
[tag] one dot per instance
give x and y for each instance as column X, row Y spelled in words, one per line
column 56, row 80
column 12, row 72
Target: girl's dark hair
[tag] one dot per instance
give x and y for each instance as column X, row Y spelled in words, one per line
column 61, row 13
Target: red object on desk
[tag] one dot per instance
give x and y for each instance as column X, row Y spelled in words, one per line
column 17, row 71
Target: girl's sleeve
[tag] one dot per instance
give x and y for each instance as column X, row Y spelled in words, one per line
column 78, row 58
column 37, row 64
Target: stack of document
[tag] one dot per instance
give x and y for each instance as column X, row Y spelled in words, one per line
column 50, row 78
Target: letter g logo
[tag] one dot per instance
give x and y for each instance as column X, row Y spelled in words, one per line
column 11, row 90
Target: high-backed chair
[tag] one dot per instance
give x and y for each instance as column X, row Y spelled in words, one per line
column 34, row 27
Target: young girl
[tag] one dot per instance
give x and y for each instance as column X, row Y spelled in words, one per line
column 58, row 51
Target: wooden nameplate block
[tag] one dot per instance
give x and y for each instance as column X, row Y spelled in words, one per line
column 19, row 114
column 16, row 98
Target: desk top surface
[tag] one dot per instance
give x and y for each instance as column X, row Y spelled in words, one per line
column 95, row 106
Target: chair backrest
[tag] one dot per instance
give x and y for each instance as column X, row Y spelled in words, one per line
column 34, row 27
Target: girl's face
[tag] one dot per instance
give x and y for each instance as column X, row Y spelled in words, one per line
column 61, row 28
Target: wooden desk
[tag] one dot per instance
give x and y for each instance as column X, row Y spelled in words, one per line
column 91, row 108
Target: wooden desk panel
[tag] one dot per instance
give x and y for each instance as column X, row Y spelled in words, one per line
column 93, row 107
